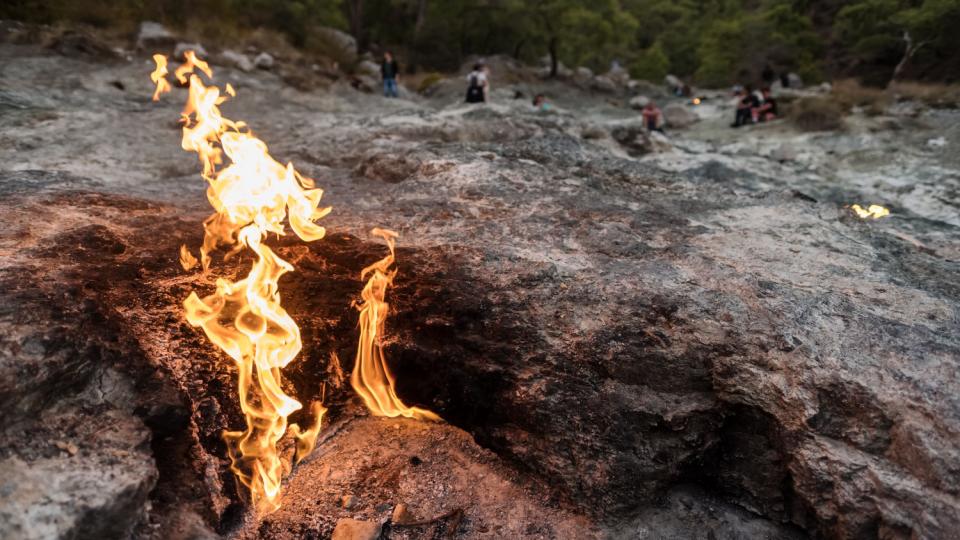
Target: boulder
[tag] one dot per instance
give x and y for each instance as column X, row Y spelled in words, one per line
column 603, row 83
column 583, row 74
column 338, row 45
column 263, row 61
column 236, row 60
column 794, row 80
column 638, row 102
column 672, row 82
column 678, row 115
column 182, row 47
column 355, row 529
column 153, row 37
column 368, row 68
column 784, row 152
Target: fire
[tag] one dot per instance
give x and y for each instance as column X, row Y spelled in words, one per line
column 874, row 211
column 371, row 378
column 159, row 76
column 696, row 101
column 252, row 197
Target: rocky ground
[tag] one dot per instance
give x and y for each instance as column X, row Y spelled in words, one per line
column 678, row 337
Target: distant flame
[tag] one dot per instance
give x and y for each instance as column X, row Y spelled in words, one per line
column 159, row 76
column 371, row 378
column 874, row 211
column 696, row 101
column 252, row 196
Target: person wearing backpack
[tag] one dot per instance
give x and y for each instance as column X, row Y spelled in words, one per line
column 477, row 84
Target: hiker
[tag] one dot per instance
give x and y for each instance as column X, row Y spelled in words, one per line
column 652, row 117
column 541, row 104
column 746, row 102
column 389, row 70
column 768, row 109
column 477, row 84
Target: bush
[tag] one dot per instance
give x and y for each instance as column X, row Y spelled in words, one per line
column 651, row 65
column 934, row 95
column 849, row 93
column 428, row 81
column 817, row 114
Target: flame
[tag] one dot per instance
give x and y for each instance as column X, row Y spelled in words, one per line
column 159, row 76
column 371, row 377
column 307, row 439
column 874, row 211
column 696, row 101
column 251, row 196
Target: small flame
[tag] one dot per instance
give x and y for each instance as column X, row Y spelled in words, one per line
column 187, row 260
column 874, row 211
column 306, row 440
column 159, row 76
column 371, row 378
column 252, row 197
column 696, row 101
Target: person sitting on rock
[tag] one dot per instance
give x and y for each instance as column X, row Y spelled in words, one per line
column 389, row 70
column 541, row 104
column 746, row 102
column 768, row 109
column 477, row 84
column 652, row 117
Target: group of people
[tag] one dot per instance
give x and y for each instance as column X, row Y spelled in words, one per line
column 754, row 106
column 478, row 81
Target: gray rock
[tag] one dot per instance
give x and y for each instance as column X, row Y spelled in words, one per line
column 603, row 84
column 794, row 80
column 672, row 82
column 678, row 115
column 583, row 74
column 354, row 529
column 184, row 47
column 638, row 102
column 369, row 68
column 784, row 152
column 339, row 45
column 263, row 61
column 236, row 60
column 153, row 37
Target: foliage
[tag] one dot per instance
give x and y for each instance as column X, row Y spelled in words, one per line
column 710, row 42
column 817, row 114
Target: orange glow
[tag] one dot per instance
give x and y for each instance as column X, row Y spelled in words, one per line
column 371, row 378
column 252, row 195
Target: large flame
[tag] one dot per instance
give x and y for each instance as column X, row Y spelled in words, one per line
column 251, row 196
column 371, row 378
column 874, row 211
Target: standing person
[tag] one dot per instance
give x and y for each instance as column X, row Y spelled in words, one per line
column 477, row 83
column 389, row 70
column 652, row 117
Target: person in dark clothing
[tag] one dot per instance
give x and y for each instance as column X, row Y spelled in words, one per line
column 477, row 84
column 389, row 70
column 652, row 117
column 768, row 109
column 747, row 102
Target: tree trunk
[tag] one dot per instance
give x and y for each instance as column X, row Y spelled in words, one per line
column 417, row 29
column 553, row 57
column 911, row 49
column 355, row 16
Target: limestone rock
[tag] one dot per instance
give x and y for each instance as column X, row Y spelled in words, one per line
column 638, row 102
column 603, row 83
column 678, row 115
column 153, row 37
column 182, row 47
column 236, row 60
column 354, row 529
column 263, row 60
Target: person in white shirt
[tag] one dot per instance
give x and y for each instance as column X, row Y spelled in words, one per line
column 478, row 84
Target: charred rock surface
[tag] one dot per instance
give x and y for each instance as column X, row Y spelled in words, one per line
column 610, row 329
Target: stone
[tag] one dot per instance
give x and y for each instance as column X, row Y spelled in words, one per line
column 236, row 60
column 678, row 115
column 583, row 74
column 153, row 37
column 672, row 82
column 784, row 152
column 603, row 84
column 369, row 68
column 794, row 80
column 638, row 102
column 182, row 47
column 401, row 514
column 348, row 502
column 339, row 45
column 263, row 60
column 354, row 529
